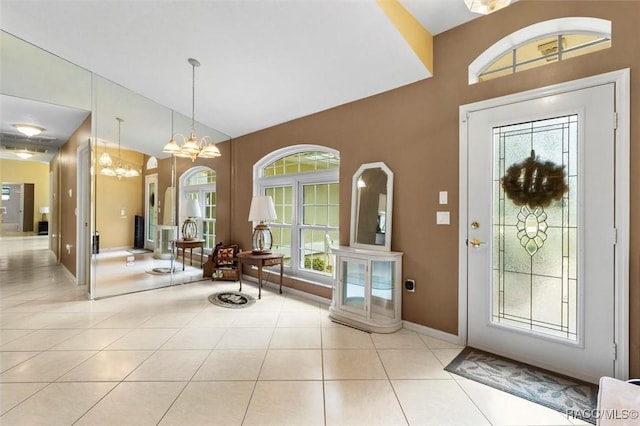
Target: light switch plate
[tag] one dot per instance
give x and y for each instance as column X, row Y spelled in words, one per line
column 444, row 197
column 442, row 218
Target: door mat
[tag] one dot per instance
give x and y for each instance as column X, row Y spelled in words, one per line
column 232, row 299
column 561, row 393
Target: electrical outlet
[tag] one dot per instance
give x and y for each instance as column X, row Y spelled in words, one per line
column 410, row 285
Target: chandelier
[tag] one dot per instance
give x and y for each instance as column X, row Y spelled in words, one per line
column 192, row 147
column 107, row 163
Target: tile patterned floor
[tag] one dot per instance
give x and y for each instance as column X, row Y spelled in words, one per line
column 168, row 357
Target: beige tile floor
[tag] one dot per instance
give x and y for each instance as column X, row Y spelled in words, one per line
column 169, row 357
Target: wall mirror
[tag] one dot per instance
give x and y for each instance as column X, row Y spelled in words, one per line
column 371, row 206
column 99, row 253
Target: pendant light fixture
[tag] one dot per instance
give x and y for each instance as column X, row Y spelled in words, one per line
column 120, row 171
column 192, row 147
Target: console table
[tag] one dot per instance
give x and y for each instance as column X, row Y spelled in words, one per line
column 260, row 260
column 189, row 244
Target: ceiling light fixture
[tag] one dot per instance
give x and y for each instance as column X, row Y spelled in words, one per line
column 120, row 171
column 486, row 6
column 192, row 147
column 29, row 129
column 24, row 154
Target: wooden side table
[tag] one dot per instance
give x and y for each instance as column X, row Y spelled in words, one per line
column 260, row 260
column 189, row 244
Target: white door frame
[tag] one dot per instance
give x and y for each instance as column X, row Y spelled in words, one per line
column 83, row 213
column 152, row 178
column 621, row 79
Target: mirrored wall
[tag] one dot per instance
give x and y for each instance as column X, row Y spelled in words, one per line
column 115, row 232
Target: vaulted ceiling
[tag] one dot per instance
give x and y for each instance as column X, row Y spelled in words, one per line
column 262, row 62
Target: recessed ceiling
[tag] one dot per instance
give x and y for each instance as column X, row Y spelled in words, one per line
column 263, row 62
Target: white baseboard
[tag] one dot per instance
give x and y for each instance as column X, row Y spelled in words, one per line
column 69, row 273
column 303, row 294
column 432, row 332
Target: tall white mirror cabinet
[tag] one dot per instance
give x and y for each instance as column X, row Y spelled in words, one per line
column 367, row 291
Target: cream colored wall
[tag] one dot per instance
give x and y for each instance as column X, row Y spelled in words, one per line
column 17, row 171
column 112, row 196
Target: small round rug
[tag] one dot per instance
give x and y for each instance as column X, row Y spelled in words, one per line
column 232, row 299
column 160, row 271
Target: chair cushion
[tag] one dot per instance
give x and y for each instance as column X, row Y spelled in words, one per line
column 226, row 256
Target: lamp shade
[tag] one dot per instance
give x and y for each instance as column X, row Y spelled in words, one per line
column 44, row 210
column 192, row 208
column 262, row 209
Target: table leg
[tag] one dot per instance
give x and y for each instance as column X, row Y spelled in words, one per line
column 191, row 256
column 260, row 280
column 184, row 254
column 281, row 266
column 240, row 273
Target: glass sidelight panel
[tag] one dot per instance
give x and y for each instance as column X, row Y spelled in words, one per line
column 354, row 280
column 535, row 226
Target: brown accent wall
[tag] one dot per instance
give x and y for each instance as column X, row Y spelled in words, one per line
column 414, row 130
column 66, row 163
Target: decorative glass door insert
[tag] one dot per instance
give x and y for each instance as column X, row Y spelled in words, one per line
column 535, row 227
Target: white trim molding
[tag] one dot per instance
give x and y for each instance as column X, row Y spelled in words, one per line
column 572, row 25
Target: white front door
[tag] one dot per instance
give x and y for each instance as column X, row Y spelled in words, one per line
column 541, row 231
column 150, row 211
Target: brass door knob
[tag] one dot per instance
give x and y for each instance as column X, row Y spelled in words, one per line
column 476, row 243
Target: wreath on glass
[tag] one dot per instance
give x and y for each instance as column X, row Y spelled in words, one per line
column 535, row 183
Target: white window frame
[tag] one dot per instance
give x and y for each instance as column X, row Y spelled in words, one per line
column 553, row 27
column 200, row 190
column 296, row 181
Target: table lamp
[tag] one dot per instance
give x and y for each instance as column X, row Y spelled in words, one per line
column 262, row 210
column 190, row 226
column 44, row 211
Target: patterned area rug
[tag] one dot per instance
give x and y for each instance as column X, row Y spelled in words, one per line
column 232, row 299
column 561, row 393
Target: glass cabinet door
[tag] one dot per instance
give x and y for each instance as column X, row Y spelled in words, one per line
column 382, row 288
column 353, row 275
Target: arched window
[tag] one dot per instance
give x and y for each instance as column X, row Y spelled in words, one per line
column 540, row 44
column 200, row 183
column 303, row 181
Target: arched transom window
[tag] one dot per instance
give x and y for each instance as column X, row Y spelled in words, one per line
column 303, row 181
column 540, row 44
